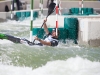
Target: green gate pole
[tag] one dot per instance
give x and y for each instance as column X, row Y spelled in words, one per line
column 31, row 23
column 41, row 8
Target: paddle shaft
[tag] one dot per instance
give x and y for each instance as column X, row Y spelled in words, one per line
column 40, row 29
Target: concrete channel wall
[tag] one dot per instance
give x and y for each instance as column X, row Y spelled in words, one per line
column 89, row 32
column 64, row 4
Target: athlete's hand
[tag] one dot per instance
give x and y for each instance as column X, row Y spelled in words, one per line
column 45, row 20
column 36, row 38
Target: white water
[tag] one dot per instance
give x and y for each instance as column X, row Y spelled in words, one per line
column 71, row 66
column 5, row 41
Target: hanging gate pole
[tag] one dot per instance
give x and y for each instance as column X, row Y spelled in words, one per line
column 56, row 17
column 31, row 22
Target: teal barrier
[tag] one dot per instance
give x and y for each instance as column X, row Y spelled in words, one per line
column 28, row 14
column 90, row 11
column 35, row 14
column 75, row 11
column 71, row 24
column 40, row 34
column 18, row 15
column 22, row 15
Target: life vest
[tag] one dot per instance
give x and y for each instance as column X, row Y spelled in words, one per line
column 54, row 41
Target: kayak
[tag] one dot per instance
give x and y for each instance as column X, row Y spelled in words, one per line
column 18, row 40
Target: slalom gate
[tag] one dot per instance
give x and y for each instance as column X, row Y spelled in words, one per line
column 69, row 31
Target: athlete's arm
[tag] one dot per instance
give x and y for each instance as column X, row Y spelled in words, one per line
column 43, row 42
column 45, row 27
column 52, row 43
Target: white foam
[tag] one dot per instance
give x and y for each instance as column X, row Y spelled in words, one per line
column 4, row 41
column 71, row 66
column 12, row 70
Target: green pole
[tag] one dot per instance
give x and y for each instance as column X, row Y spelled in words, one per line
column 31, row 23
column 42, row 7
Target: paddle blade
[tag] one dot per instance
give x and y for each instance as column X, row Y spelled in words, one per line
column 51, row 8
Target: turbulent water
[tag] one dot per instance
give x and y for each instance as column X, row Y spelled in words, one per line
column 65, row 59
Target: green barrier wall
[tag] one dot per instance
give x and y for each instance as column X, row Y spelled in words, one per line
column 26, row 14
column 75, row 11
column 71, row 24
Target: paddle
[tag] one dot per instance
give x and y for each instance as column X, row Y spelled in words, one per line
column 51, row 9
